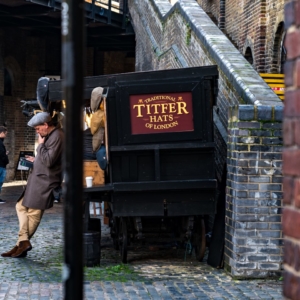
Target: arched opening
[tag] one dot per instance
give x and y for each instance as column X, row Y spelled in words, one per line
column 283, row 54
column 249, row 56
column 279, row 51
column 7, row 83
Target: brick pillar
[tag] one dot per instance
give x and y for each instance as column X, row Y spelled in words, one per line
column 253, row 241
column 291, row 154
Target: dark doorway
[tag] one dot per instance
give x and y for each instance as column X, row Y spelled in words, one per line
column 249, row 56
column 7, row 83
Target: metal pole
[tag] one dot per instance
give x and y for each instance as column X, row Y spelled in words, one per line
column 72, row 84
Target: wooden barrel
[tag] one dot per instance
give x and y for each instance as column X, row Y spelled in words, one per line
column 91, row 248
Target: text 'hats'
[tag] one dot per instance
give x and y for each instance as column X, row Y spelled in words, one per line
column 96, row 98
column 39, row 119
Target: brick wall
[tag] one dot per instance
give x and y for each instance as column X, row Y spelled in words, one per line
column 254, row 24
column 212, row 8
column 291, row 154
column 117, row 62
column 254, row 192
column 32, row 58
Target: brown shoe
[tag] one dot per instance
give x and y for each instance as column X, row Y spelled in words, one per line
column 10, row 252
column 24, row 246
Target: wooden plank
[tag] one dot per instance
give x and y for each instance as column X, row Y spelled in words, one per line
column 165, row 185
column 281, row 93
column 274, row 80
column 99, row 188
column 279, row 85
column 269, row 75
column 115, row 6
column 105, row 218
column 91, row 168
column 173, row 146
column 216, row 247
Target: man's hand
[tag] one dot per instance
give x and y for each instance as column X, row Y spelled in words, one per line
column 41, row 139
column 29, row 158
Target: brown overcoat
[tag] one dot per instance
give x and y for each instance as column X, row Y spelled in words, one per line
column 46, row 172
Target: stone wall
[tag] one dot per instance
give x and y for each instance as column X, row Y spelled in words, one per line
column 254, row 24
column 291, row 154
column 254, row 191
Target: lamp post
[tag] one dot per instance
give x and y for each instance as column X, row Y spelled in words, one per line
column 72, row 30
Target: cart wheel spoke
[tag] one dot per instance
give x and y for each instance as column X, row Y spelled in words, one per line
column 115, row 236
column 123, row 239
column 200, row 241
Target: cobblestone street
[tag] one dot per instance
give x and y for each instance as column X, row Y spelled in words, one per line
column 159, row 272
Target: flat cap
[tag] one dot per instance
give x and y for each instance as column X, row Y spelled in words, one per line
column 96, row 98
column 39, row 119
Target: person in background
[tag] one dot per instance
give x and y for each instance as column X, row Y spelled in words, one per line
column 46, row 175
column 3, row 158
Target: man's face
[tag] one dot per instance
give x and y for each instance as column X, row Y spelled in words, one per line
column 3, row 134
column 42, row 130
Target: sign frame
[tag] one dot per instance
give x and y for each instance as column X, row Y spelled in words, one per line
column 200, row 105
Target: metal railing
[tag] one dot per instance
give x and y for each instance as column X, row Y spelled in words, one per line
column 117, row 6
column 106, row 9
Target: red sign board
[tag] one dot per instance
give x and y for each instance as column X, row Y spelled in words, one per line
column 161, row 113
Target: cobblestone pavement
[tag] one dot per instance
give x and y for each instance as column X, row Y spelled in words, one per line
column 157, row 272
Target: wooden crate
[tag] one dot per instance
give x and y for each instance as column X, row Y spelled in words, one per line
column 91, row 168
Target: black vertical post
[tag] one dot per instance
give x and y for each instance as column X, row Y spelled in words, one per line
column 109, row 12
column 72, row 71
column 124, row 11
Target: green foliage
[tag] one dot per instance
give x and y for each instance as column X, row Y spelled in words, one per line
column 188, row 34
column 121, row 273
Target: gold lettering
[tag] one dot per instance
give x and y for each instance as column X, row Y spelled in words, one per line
column 139, row 108
column 181, row 106
column 170, row 117
column 172, row 108
column 155, row 107
column 164, row 106
column 159, row 119
column 165, row 118
column 148, row 109
column 153, row 119
column 165, row 126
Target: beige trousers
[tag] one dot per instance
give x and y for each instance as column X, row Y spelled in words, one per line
column 29, row 220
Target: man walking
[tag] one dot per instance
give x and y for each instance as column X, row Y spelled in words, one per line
column 46, row 175
column 3, row 158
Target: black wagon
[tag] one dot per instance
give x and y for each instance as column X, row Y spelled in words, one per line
column 160, row 152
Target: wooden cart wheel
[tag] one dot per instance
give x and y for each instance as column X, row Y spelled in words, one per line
column 116, row 243
column 116, row 234
column 200, row 240
column 123, row 240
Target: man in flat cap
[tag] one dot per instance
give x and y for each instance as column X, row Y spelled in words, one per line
column 45, row 176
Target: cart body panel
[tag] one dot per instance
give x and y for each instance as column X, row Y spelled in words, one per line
column 160, row 152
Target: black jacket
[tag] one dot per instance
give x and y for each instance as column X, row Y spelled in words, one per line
column 3, row 157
